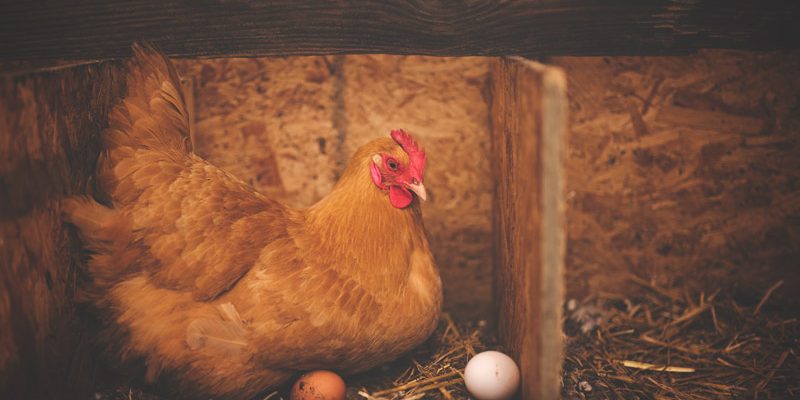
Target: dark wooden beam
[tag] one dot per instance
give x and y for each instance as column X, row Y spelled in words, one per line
column 104, row 29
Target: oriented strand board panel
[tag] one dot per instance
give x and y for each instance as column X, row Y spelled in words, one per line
column 268, row 121
column 289, row 125
column 49, row 124
column 529, row 129
column 685, row 170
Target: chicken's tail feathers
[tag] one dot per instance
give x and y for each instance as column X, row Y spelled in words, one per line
column 106, row 233
column 153, row 113
column 96, row 222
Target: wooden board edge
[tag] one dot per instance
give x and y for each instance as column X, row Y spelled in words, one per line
column 553, row 236
column 533, row 332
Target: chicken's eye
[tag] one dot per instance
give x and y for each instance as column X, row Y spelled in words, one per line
column 392, row 164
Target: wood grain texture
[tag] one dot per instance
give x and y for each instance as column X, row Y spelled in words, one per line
column 684, row 170
column 97, row 29
column 49, row 124
column 529, row 128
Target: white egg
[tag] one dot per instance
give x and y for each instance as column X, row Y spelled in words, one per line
column 491, row 375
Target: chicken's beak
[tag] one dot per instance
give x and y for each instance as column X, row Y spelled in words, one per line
column 419, row 189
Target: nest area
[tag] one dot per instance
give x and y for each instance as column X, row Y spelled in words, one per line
column 671, row 344
column 663, row 343
column 432, row 371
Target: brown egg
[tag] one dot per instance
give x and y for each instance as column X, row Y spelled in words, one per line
column 319, row 385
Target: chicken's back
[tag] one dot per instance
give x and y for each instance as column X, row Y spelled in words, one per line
column 191, row 223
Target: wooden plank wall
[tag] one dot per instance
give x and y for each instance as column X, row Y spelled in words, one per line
column 529, row 129
column 49, row 123
column 685, row 170
column 100, row 29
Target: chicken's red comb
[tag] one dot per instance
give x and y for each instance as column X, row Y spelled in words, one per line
column 415, row 154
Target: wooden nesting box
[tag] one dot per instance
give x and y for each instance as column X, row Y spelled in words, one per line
column 497, row 219
column 523, row 102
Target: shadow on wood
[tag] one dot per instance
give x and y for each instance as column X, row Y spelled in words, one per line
column 48, row 149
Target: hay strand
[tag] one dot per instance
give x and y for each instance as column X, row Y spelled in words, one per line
column 661, row 345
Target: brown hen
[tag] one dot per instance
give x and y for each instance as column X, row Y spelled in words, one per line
column 218, row 290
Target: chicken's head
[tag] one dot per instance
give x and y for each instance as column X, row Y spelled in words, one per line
column 400, row 172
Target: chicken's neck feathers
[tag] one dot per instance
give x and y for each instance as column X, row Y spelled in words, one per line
column 357, row 221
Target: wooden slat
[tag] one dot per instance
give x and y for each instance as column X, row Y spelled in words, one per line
column 102, row 29
column 528, row 135
column 49, row 125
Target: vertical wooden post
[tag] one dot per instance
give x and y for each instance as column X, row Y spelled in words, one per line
column 529, row 128
column 49, row 125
